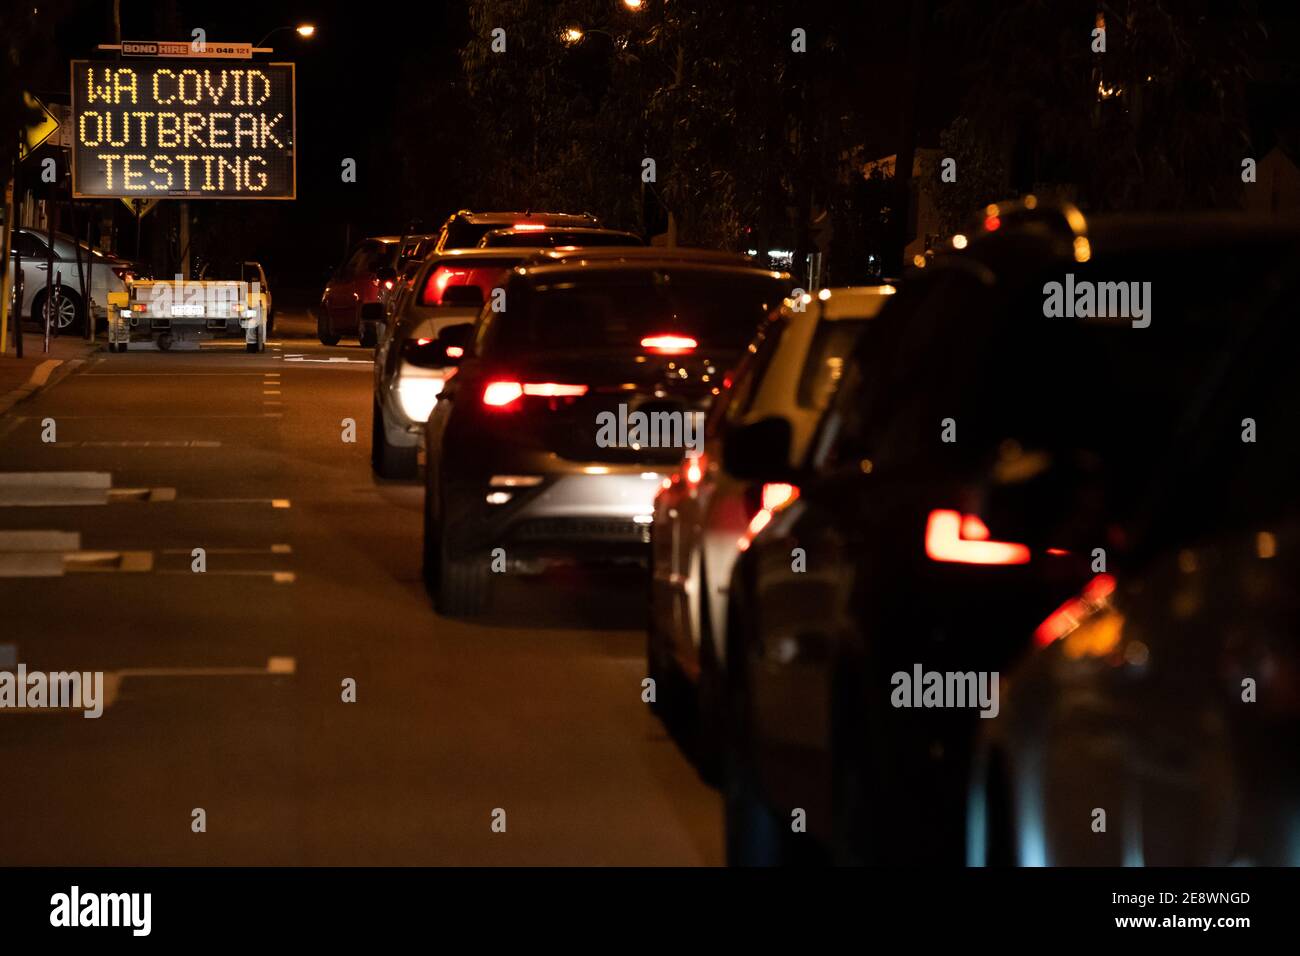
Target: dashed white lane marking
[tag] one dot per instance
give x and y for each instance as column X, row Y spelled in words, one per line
column 332, row 360
column 270, row 391
column 35, row 554
column 277, row 577
column 273, row 549
column 273, row 502
column 137, row 444
column 113, row 680
column 172, row 374
column 51, row 554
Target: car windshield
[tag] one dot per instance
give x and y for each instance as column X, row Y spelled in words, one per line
column 551, row 238
column 617, row 309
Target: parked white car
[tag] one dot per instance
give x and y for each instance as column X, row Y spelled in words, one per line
column 107, row 274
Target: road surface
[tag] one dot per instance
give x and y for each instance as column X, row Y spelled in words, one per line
column 226, row 686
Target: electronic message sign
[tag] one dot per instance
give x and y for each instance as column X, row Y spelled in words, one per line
column 177, row 128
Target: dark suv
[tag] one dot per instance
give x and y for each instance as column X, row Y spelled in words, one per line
column 533, row 448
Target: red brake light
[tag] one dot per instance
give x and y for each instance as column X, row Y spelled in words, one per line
column 694, row 470
column 1072, row 613
column 504, row 394
column 423, row 341
column 553, row 390
column 501, row 394
column 950, row 536
column 455, row 351
column 529, row 226
column 669, row 344
column 992, row 224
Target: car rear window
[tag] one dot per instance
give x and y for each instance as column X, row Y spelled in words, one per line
column 618, row 308
column 487, row 274
column 551, row 239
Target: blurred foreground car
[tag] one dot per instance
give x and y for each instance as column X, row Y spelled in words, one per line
column 988, row 445
column 351, row 303
column 1167, row 692
column 551, row 238
column 465, row 228
column 572, row 405
column 704, row 516
column 449, row 289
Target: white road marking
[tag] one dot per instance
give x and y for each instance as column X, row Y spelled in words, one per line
column 332, row 360
column 34, row 489
column 273, row 549
column 138, row 444
column 277, row 577
column 268, row 391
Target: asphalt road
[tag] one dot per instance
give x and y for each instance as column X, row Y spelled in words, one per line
column 227, row 685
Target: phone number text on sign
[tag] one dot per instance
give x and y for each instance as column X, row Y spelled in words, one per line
column 173, row 128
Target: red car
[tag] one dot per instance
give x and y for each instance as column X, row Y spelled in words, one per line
column 352, row 303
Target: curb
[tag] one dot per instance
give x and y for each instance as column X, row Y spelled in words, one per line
column 47, row 374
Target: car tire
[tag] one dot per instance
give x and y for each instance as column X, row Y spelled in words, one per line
column 368, row 339
column 753, row 832
column 69, row 309
column 324, row 331
column 388, row 460
column 457, row 580
column 710, row 695
column 462, row 582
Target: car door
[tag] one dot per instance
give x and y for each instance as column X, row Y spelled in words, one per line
column 32, row 257
column 343, row 300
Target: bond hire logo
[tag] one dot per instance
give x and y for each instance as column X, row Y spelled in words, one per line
column 1084, row 299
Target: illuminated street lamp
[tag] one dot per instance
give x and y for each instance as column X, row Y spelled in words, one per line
column 572, row 35
column 634, row 5
column 304, row 30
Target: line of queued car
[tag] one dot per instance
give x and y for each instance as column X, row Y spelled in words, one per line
column 1086, row 508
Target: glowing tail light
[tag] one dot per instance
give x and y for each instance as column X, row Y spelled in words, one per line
column 529, row 226
column 505, row 394
column 964, row 539
column 669, row 344
column 1067, row 618
column 774, row 496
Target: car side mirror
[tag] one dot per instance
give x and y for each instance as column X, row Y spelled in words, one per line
column 463, row 296
column 759, row 451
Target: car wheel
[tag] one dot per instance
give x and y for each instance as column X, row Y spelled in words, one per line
column 462, row 576
column 69, row 317
column 324, row 331
column 367, row 338
column 754, row 834
column 710, row 707
column 388, row 460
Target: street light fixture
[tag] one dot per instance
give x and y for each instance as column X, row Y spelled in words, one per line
column 634, row 5
column 304, row 30
column 572, row 35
